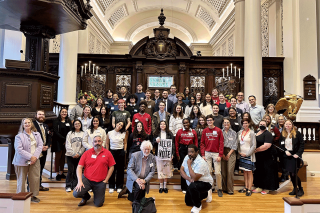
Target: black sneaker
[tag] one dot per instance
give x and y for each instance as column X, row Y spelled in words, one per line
column 63, row 176
column 293, row 192
column 165, row 190
column 300, row 192
column 220, row 194
column 160, row 190
column 58, row 177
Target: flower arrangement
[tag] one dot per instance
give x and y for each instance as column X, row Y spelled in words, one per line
column 228, row 97
column 89, row 96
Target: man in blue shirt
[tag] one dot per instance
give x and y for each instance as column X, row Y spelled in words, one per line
column 256, row 111
column 141, row 95
column 197, row 174
column 173, row 96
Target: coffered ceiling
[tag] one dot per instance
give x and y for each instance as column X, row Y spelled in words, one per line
column 193, row 21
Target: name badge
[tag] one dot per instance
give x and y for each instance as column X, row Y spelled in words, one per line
column 191, row 121
column 239, row 114
column 136, row 120
column 147, row 119
column 151, row 164
column 93, row 156
column 103, row 156
column 124, row 99
column 226, row 107
column 98, row 132
column 135, row 110
column 230, row 139
column 149, row 106
column 273, row 121
column 124, row 113
column 142, row 98
column 273, row 134
column 107, row 102
column 282, row 142
column 190, row 133
column 112, row 108
column 236, row 124
column 67, row 124
column 214, row 132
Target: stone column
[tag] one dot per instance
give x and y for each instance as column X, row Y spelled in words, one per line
column 253, row 84
column 182, row 80
column 68, row 58
column 301, row 52
column 239, row 27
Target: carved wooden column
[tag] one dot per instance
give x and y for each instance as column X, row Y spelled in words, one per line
column 139, row 69
column 182, row 80
column 37, row 45
column 112, row 79
column 211, row 83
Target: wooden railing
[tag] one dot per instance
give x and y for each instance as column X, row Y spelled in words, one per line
column 311, row 133
column 58, row 106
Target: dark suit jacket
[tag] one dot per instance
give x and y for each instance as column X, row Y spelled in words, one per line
column 297, row 144
column 169, row 106
column 46, row 130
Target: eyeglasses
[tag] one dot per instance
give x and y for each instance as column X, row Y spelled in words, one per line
column 210, row 120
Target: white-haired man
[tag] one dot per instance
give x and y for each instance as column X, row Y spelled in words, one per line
column 141, row 169
column 98, row 164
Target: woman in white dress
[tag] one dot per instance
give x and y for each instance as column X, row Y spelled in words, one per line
column 246, row 148
column 164, row 167
column 175, row 122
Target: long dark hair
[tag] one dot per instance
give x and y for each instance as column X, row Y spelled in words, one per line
column 136, row 132
column 199, row 126
column 73, row 129
column 251, row 124
column 91, row 127
column 205, row 101
column 96, row 104
column 195, row 101
column 192, row 116
column 59, row 116
column 158, row 130
column 123, row 129
column 184, row 93
column 175, row 114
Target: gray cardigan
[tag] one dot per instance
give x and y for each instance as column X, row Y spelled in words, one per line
column 253, row 145
column 134, row 169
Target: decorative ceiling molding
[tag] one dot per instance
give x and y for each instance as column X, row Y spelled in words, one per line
column 217, row 5
column 205, row 17
column 118, row 15
column 135, row 5
column 166, row 9
column 189, row 3
column 106, row 4
column 95, row 20
column 149, row 22
column 223, row 27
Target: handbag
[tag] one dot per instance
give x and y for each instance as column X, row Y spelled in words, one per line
column 146, row 205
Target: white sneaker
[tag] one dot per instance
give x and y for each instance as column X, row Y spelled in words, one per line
column 119, row 190
column 111, row 191
column 68, row 189
column 196, row 209
column 209, row 198
column 184, row 192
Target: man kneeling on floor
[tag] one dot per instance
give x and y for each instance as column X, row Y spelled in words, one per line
column 197, row 174
column 98, row 164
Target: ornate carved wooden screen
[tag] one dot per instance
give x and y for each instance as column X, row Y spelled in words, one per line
column 123, row 78
column 197, row 80
column 273, row 86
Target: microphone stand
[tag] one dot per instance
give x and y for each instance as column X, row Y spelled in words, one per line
column 296, row 189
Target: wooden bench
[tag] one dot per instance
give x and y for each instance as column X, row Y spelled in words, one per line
column 15, row 202
column 294, row 205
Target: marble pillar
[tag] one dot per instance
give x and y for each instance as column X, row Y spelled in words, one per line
column 239, row 27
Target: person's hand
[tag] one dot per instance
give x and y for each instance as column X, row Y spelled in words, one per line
column 33, row 160
column 288, row 153
column 139, row 181
column 44, row 148
column 78, row 187
column 218, row 159
column 296, row 156
column 204, row 158
column 76, row 156
column 227, row 157
column 105, row 181
column 142, row 186
column 158, row 140
column 178, row 158
column 223, row 157
column 256, row 150
column 189, row 162
column 190, row 180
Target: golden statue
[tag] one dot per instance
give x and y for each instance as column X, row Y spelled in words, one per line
column 290, row 103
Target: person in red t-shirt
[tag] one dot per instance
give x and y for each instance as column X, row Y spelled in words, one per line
column 184, row 138
column 212, row 149
column 143, row 117
column 98, row 166
column 215, row 96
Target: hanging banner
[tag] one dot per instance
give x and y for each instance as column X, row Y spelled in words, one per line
column 165, row 149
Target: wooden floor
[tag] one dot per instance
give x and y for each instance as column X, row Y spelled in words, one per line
column 57, row 200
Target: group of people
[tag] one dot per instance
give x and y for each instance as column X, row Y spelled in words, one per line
column 207, row 133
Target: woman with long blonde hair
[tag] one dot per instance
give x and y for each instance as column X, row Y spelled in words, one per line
column 271, row 111
column 292, row 142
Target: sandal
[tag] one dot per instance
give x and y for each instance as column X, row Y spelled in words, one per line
column 243, row 190
column 249, row 193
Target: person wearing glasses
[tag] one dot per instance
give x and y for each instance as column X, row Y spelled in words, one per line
column 241, row 104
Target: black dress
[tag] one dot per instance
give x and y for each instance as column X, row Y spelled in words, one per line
column 60, row 131
column 266, row 173
column 95, row 112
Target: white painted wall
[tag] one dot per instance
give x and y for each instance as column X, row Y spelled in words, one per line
column 10, row 45
column 3, row 158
